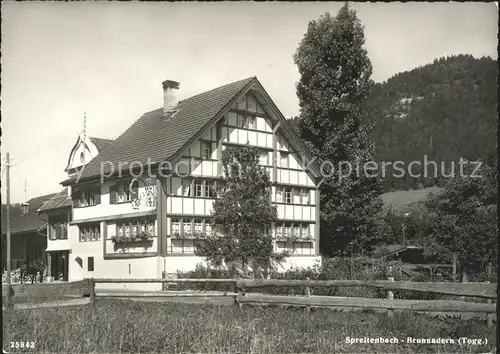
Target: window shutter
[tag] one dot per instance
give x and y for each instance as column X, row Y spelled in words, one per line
column 75, row 196
column 97, row 193
column 113, row 190
column 64, row 231
column 135, row 189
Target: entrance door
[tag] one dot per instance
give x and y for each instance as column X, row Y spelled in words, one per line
column 60, row 265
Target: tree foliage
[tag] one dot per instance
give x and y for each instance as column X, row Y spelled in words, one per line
column 463, row 220
column 243, row 215
column 334, row 80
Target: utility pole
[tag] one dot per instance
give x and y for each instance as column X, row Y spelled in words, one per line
column 7, row 224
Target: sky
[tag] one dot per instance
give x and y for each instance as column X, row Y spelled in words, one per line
column 108, row 60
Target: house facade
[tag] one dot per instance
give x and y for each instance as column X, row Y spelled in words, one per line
column 138, row 208
column 58, row 211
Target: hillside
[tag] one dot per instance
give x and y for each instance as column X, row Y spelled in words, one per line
column 445, row 110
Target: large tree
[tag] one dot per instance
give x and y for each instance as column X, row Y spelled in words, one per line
column 243, row 216
column 334, row 80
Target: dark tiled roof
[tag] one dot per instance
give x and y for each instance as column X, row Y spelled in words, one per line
column 100, row 143
column 60, row 200
column 157, row 137
column 30, row 221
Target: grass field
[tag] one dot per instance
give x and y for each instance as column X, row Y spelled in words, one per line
column 115, row 326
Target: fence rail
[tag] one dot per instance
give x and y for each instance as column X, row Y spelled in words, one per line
column 483, row 290
column 479, row 290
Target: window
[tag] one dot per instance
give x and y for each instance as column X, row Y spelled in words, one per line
column 90, row 232
column 58, row 229
column 176, row 227
column 305, row 230
column 241, row 121
column 263, row 158
column 83, row 197
column 305, row 196
column 208, row 227
column 283, row 159
column 198, row 188
column 279, row 230
column 288, row 196
column 186, row 188
column 296, row 230
column 136, row 227
column 122, row 193
column 279, row 195
column 90, row 264
column 210, row 189
column 206, row 150
column 219, row 189
column 198, row 226
column 250, row 122
column 186, row 225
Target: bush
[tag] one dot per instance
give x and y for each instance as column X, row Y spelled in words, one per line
column 330, row 269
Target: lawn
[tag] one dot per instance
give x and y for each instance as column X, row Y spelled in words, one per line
column 115, row 326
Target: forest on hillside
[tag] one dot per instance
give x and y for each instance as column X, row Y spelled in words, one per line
column 445, row 110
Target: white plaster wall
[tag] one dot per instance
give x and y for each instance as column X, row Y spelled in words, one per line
column 300, row 262
column 182, row 263
column 58, row 245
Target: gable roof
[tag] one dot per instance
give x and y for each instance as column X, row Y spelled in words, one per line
column 101, row 143
column 58, row 201
column 155, row 137
column 30, row 221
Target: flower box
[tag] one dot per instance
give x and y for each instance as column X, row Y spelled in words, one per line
column 294, row 238
column 142, row 237
column 190, row 236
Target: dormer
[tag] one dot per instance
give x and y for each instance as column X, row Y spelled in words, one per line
column 84, row 150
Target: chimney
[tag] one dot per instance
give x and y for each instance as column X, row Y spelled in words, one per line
column 170, row 101
column 25, row 208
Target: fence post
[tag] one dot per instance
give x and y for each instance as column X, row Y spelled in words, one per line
column 236, row 302
column 164, row 285
column 489, row 316
column 9, row 298
column 464, row 280
column 92, row 290
column 454, row 267
column 308, row 294
column 390, row 294
column 241, row 292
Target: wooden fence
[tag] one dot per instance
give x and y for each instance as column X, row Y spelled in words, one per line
column 47, row 290
column 478, row 290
